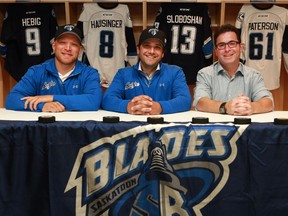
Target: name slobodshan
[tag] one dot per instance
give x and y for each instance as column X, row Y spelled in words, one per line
column 184, row 19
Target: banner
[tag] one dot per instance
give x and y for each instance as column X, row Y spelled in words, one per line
column 135, row 168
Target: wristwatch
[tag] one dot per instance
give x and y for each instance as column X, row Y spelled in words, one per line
column 222, row 109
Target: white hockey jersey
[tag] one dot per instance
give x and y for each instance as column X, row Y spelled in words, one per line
column 265, row 37
column 108, row 38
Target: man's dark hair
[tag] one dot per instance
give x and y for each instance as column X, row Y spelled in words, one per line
column 226, row 28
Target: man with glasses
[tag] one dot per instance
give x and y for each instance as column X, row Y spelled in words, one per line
column 60, row 83
column 228, row 86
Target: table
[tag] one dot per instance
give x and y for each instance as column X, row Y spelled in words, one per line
column 98, row 116
column 82, row 166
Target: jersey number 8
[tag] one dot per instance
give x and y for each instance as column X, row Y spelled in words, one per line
column 106, row 44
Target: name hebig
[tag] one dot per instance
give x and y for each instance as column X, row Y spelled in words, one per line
column 35, row 21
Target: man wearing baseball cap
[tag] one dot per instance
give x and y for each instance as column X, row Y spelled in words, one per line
column 69, row 29
column 150, row 87
column 60, row 83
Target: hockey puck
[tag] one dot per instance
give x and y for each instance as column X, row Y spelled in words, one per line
column 155, row 120
column 46, row 119
column 111, row 119
column 242, row 120
column 281, row 121
column 200, row 120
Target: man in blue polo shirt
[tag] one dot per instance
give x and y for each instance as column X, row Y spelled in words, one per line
column 61, row 83
column 150, row 87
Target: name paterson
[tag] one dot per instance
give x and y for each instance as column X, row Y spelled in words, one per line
column 263, row 26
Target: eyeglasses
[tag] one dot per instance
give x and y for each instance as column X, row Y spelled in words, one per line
column 231, row 44
column 69, row 27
